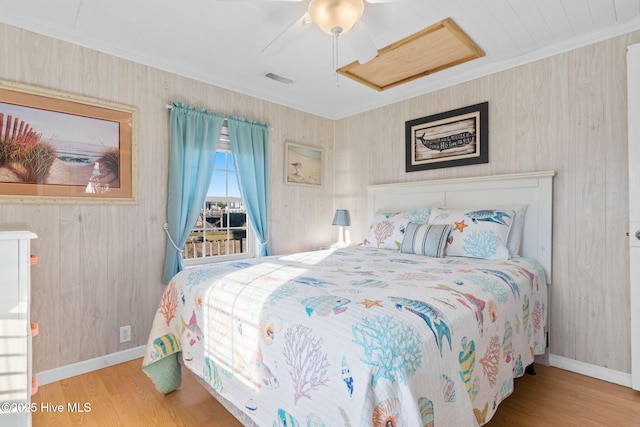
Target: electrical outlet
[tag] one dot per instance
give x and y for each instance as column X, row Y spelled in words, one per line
column 125, row 334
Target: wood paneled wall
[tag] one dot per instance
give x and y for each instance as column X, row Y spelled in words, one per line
column 101, row 265
column 566, row 113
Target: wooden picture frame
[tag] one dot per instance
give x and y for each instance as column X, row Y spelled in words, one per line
column 57, row 147
column 453, row 138
column 303, row 165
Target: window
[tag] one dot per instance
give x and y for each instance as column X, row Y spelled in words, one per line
column 221, row 231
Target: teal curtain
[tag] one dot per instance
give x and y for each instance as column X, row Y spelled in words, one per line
column 194, row 134
column 249, row 145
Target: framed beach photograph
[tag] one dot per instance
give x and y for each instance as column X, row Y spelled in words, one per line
column 454, row 138
column 61, row 148
column 303, row 165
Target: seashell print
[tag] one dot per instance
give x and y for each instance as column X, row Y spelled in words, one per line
column 426, row 411
column 448, row 389
column 385, row 414
column 475, row 388
column 268, row 328
column 285, row 419
column 518, row 370
column 481, row 415
column 345, row 417
column 314, row 421
column 467, row 359
column 211, row 375
column 197, row 300
column 507, row 345
column 525, row 313
column 251, row 405
column 167, row 344
column 493, row 311
column 346, row 376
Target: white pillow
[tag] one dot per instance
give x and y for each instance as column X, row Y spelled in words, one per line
column 479, row 233
column 515, row 234
column 387, row 229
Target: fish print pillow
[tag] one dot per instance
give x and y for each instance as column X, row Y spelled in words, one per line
column 387, row 229
column 481, row 233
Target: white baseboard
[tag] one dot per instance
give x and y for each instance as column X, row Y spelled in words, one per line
column 594, row 371
column 79, row 368
column 68, row 371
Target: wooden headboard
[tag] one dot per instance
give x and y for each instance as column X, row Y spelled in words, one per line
column 534, row 189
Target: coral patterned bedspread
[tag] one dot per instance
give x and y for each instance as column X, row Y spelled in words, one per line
column 354, row 337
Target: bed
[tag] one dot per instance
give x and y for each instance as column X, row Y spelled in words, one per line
column 394, row 331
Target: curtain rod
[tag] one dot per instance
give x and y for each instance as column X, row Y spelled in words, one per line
column 169, row 107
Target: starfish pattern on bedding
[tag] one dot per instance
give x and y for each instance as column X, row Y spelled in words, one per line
column 370, row 303
column 460, row 226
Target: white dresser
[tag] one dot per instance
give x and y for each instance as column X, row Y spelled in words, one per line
column 15, row 326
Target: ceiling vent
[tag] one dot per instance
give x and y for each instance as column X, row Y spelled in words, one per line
column 278, row 78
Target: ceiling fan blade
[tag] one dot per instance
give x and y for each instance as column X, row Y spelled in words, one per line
column 287, row 36
column 361, row 43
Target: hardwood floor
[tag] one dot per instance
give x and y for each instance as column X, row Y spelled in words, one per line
column 122, row 395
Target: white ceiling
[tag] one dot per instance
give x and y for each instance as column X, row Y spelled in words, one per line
column 220, row 42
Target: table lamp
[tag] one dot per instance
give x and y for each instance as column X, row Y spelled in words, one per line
column 342, row 219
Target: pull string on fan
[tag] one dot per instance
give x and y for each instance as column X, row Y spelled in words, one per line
column 335, row 57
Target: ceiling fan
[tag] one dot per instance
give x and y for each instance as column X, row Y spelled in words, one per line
column 334, row 17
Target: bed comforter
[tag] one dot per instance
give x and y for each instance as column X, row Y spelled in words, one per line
column 353, row 337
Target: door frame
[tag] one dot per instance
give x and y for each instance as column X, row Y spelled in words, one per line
column 633, row 138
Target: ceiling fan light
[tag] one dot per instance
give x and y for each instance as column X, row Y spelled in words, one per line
column 335, row 16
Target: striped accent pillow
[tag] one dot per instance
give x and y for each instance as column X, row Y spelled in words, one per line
column 425, row 239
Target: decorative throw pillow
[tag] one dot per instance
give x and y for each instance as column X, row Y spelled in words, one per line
column 387, row 229
column 419, row 216
column 476, row 233
column 425, row 239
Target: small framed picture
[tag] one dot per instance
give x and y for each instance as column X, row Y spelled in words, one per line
column 303, row 165
column 454, row 138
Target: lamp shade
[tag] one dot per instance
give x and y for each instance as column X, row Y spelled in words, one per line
column 335, row 16
column 341, row 218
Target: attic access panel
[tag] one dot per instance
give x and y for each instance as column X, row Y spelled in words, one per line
column 438, row 47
